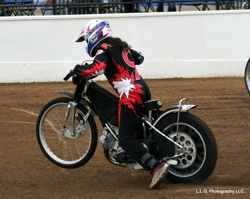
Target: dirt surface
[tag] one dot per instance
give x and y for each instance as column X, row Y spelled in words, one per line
column 223, row 103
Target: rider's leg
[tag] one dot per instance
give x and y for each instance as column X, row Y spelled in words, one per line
column 134, row 148
column 127, row 139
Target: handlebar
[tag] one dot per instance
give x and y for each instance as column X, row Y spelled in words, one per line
column 69, row 75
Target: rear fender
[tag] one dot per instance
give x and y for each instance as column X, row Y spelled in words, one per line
column 174, row 109
column 83, row 101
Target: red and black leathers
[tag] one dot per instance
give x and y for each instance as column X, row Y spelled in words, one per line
column 119, row 68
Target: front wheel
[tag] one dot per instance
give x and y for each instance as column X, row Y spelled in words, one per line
column 55, row 137
column 195, row 136
column 247, row 76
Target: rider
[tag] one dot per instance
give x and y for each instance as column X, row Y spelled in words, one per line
column 116, row 60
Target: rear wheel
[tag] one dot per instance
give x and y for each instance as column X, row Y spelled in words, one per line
column 247, row 76
column 195, row 137
column 55, row 138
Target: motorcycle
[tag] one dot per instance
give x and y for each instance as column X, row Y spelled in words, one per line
column 247, row 75
column 67, row 132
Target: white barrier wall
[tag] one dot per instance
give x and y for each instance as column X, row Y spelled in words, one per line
column 181, row 44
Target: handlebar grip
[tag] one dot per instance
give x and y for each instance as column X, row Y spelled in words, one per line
column 69, row 75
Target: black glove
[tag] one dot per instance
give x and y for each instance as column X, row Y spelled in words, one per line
column 139, row 59
column 77, row 69
column 76, row 79
column 137, row 56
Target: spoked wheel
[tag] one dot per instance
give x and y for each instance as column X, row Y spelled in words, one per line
column 55, row 137
column 247, row 76
column 196, row 138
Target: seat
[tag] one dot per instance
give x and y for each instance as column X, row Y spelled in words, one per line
column 231, row 5
column 203, row 4
column 152, row 105
column 4, row 11
column 111, row 6
column 20, row 7
column 83, row 7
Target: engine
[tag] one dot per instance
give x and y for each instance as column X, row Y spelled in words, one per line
column 114, row 153
column 111, row 146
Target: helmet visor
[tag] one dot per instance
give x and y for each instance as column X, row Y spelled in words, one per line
column 80, row 39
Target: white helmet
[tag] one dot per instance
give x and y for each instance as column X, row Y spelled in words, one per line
column 93, row 32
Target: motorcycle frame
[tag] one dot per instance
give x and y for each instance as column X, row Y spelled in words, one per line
column 79, row 98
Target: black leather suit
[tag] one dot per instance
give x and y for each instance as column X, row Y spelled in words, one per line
column 119, row 68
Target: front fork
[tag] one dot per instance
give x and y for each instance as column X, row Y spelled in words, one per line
column 73, row 105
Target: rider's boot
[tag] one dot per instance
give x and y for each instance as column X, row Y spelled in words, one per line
column 157, row 169
column 158, row 173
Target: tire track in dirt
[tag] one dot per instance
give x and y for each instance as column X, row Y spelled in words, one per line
column 31, row 113
column 25, row 111
column 20, row 122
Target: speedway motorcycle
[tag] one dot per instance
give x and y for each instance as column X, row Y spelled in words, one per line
column 67, row 133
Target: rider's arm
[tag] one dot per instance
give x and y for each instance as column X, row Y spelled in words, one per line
column 98, row 66
column 137, row 56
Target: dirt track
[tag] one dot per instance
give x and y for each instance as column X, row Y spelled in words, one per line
column 223, row 103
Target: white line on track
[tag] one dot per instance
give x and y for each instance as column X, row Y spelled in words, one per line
column 25, row 111
column 20, row 122
column 21, row 110
column 34, row 114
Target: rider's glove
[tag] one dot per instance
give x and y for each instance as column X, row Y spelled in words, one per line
column 76, row 79
column 139, row 59
column 77, row 69
column 137, row 56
